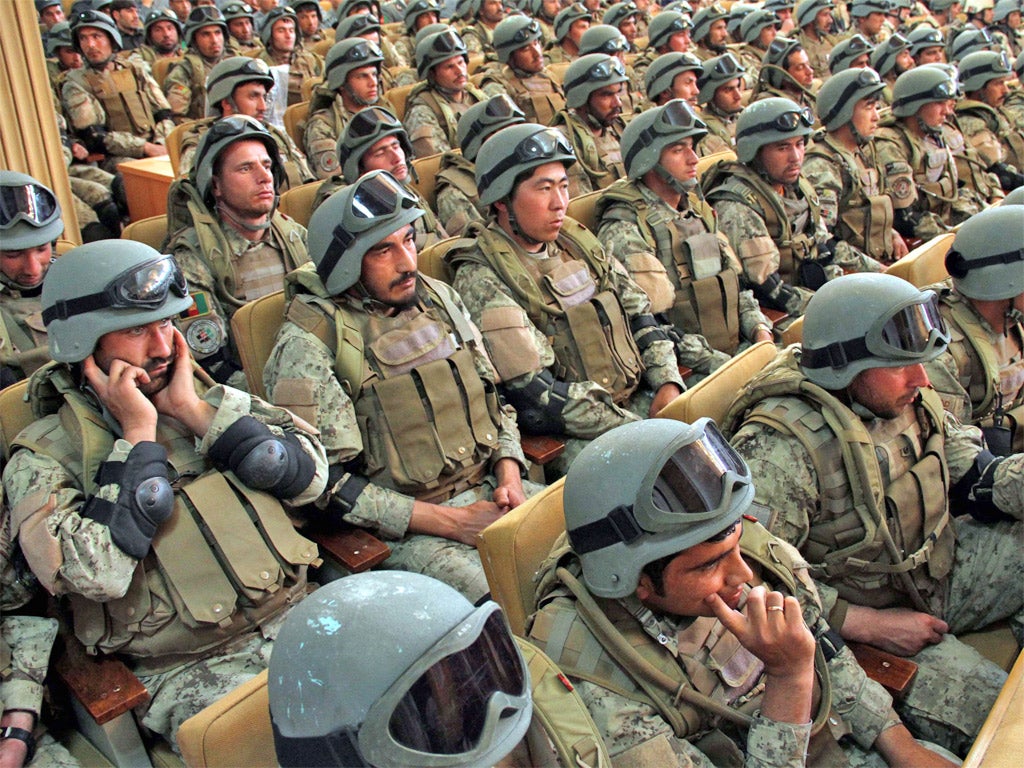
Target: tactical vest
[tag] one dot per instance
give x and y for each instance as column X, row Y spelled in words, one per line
column 883, row 534
column 22, row 334
column 245, row 561
column 793, row 247
column 538, row 95
column 429, row 421
column 197, row 84
column 121, row 91
column 442, row 109
column 458, row 172
column 863, row 220
column 706, row 294
column 601, row 169
column 933, row 167
column 571, row 299
column 1012, row 141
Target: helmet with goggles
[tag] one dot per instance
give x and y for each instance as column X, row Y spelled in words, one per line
column 96, row 20
column 569, row 16
column 483, row 120
column 775, row 58
column 1004, row 8
column 984, row 263
column 107, row 286
column 221, row 135
column 366, row 128
column 705, row 18
column 883, row 57
column 807, row 11
column 350, row 685
column 767, row 121
column 356, row 26
column 862, row 8
column 620, row 12
column 603, row 38
column 591, row 73
column 230, row 73
column 416, row 9
column 157, row 15
column 236, row 10
column 274, row 16
column 848, row 51
column 923, row 37
column 203, row 16
column 347, row 55
column 437, row 48
column 513, row 152
column 920, row 86
column 868, row 320
column 978, row 69
column 663, row 70
column 663, row 26
column 737, row 13
column 643, row 491
column 839, row 95
column 29, row 213
column 968, row 41
column 653, row 130
column 716, row 72
column 59, row 36
column 513, row 33
column 756, row 21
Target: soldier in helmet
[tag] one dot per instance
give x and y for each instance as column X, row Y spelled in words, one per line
column 418, row 14
column 185, row 85
column 853, row 52
column 649, row 605
column 484, row 17
column 666, row 236
column 545, row 12
column 863, row 471
column 720, row 92
column 927, row 46
column 125, row 14
column 673, row 76
column 785, row 11
column 567, row 32
column 280, row 36
column 402, row 471
column 186, row 572
column 710, row 31
column 606, row 39
column 367, row 26
column 235, row 246
column 61, row 55
column 814, row 22
column 669, row 33
column 592, row 120
column 309, row 22
column 444, row 94
column 523, row 75
column 868, row 18
column 758, row 30
column 1006, row 28
column 785, row 73
column 162, row 37
column 242, row 38
column 624, row 17
column 351, row 83
column 51, row 13
column 890, row 60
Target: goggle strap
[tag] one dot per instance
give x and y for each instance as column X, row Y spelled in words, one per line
column 66, row 308
column 619, row 525
column 964, row 266
column 340, row 241
column 838, row 354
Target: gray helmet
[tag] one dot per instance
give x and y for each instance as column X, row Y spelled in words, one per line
column 356, row 25
column 774, row 60
column 315, row 3
column 59, row 36
column 681, row 6
column 807, row 11
column 96, row 20
column 986, row 261
column 977, row 69
column 861, row 8
column 704, row 18
column 230, row 73
column 841, row 92
column 465, row 10
column 647, row 134
column 483, row 120
column 350, row 685
column 868, row 320
column 437, row 48
column 115, row 284
column 347, row 55
column 663, row 70
column 366, row 128
column 754, row 22
column 737, row 13
column 883, row 58
column 920, row 86
column 716, row 72
column 619, row 12
column 974, row 7
column 767, row 121
column 221, row 135
column 969, row 41
column 845, row 52
column 647, row 490
column 1004, row 8
column 513, row 33
column 353, row 220
column 507, row 155
column 347, row 7
column 163, row 14
column 42, row 5
column 663, row 26
column 236, row 9
column 203, row 16
column 30, row 215
column 430, row 29
column 1016, row 197
column 938, row 6
column 603, row 38
column 780, row 5
column 417, row 8
column 590, row 73
column 565, row 18
column 274, row 16
column 922, row 37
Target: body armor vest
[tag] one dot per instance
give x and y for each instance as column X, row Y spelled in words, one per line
column 705, row 294
column 572, row 301
column 538, row 95
column 22, row 332
column 446, row 114
column 721, row 131
column 245, row 561
column 429, row 421
column 121, row 92
column 865, row 214
column 1012, row 141
column 458, row 172
column 882, row 535
column 933, row 167
column 602, row 165
column 198, row 70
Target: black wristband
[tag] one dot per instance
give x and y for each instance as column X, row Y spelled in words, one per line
column 10, row 732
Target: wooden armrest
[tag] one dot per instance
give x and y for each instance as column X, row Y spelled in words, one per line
column 95, row 157
column 775, row 315
column 540, row 449
column 685, row 372
column 356, row 549
column 894, row 673
column 102, row 684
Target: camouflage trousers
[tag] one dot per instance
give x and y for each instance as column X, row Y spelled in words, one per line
column 53, row 754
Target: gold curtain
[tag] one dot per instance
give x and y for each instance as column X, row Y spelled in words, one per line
column 29, row 138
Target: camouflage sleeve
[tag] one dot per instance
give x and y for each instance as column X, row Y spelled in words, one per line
column 393, row 58
column 827, row 181
column 472, row 40
column 713, row 143
column 189, row 145
column 979, row 136
column 944, row 375
column 290, row 151
column 299, row 375
column 85, row 112
column 963, row 443
column 1008, row 490
column 319, row 142
column 751, row 316
column 206, row 326
column 864, row 705
column 454, row 210
column 178, row 90
column 493, row 86
column 158, row 103
column 427, row 135
column 30, row 639
column 579, row 180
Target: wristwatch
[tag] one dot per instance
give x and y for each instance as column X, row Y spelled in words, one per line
column 10, row 732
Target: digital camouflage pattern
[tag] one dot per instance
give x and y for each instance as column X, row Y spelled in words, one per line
column 187, row 101
column 427, row 134
column 321, row 132
column 458, row 202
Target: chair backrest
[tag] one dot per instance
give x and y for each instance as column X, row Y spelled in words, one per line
column 161, row 67
column 173, row 145
column 926, row 264
column 713, row 396
column 431, row 260
column 152, row 231
column 583, row 208
column 321, row 48
column 298, row 202
column 306, row 89
column 513, row 547
column 16, row 412
column 794, row 332
column 254, row 328
column 426, row 173
column 234, row 730
column 715, row 157
column 397, row 98
column 295, row 119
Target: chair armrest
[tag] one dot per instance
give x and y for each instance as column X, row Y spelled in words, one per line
column 894, row 673
column 354, row 548
column 102, row 684
column 540, row 449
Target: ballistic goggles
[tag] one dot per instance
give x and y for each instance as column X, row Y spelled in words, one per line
column 958, row 266
column 929, row 39
column 373, row 121
column 857, row 45
column 998, row 68
column 235, row 125
column 613, row 45
column 203, row 15
column 233, row 10
column 909, row 333
column 257, row 68
column 622, row 13
column 281, row 12
column 724, row 67
column 941, row 91
column 610, row 69
column 696, row 483
column 780, row 49
column 32, row 203
column 544, row 145
column 360, row 24
column 144, row 286
column 787, row 122
column 679, row 24
column 895, row 43
column 524, row 35
column 447, row 42
column 676, row 117
column 500, row 110
column 364, row 50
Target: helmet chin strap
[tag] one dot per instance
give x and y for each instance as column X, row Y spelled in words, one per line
column 1013, row 316
column 682, row 187
column 245, row 225
column 516, row 229
column 860, row 138
column 935, row 131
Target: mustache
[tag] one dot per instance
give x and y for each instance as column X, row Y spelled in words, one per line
column 402, row 278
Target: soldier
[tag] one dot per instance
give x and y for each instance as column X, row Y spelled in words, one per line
column 61, row 55
column 367, row 26
column 710, row 32
column 786, row 72
column 1006, row 28
column 927, row 45
column 737, row 13
column 485, row 15
column 890, row 60
column 240, row 85
column 868, row 18
column 125, row 14
column 435, row 105
column 51, row 13
column 648, row 605
column 236, row 247
column 670, row 33
column 624, row 17
column 185, row 86
column 841, row 164
column 182, row 8
column 480, row 695
column 309, row 19
column 1014, row 102
column 279, row 35
column 242, row 39
column 980, row 376
column 854, row 454
column 592, row 121
column 524, row 77
column 758, row 30
column 771, row 213
column 187, row 582
column 784, row 11
column 545, row 12
column 162, row 34
column 852, row 52
column 968, row 41
column 570, row 24
column 606, row 39
column 666, row 236
column 418, row 14
column 571, row 335
column 673, row 76
column 351, row 83
column 720, row 94
column 814, row 21
column 404, row 333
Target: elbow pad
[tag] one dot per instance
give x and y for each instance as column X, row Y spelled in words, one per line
column 145, row 499
column 94, row 139
column 162, row 114
column 972, row 493
column 539, row 404
column 1009, row 179
column 772, row 293
column 639, row 324
column 343, row 494
column 263, row 460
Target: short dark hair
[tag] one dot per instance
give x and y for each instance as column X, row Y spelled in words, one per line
column 655, row 570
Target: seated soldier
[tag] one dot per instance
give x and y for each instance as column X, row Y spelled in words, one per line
column 185, row 85
column 890, row 60
column 710, row 31
column 484, row 17
column 649, row 605
column 669, row 33
column 673, row 76
column 758, row 30
column 624, row 17
column 815, row 24
column 523, row 76
column 850, row 53
column 417, row 15
column 367, row 26
column 720, row 96
column 927, row 46
column 242, row 39
column 545, row 11
column 785, row 72
column 868, row 19
column 570, row 24
column 279, row 34
column 163, row 33
column 309, row 22
column 125, row 14
column 427, row 479
column 606, row 39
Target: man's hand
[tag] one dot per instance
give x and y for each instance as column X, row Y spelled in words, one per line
column 896, row 630
column 900, row 748
column 509, row 493
column 457, row 523
column 118, row 390
column 179, row 399
column 78, row 151
column 666, row 394
column 154, row 150
column 899, row 246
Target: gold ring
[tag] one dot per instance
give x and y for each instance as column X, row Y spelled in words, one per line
column 774, row 608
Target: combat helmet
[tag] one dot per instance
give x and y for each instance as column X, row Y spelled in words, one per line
column 920, row 86
column 273, row 16
column 716, row 72
column 663, row 26
column 767, row 121
column 418, row 8
column 59, row 36
column 619, row 12
column 1016, row 197
column 347, row 55
column 847, row 51
column 356, row 25
column 1004, row 8
column 484, row 119
column 30, row 215
column 236, row 9
column 663, row 70
column 507, row 155
column 808, row 10
column 861, row 8
column 648, row 133
column 841, row 92
column 513, row 33
column 754, row 22
column 221, row 135
column 923, row 37
column 230, row 73
column 883, row 58
column 99, row 21
column 773, row 63
column 704, row 18
column 603, row 38
column 590, row 73
column 968, row 41
column 984, row 262
column 437, row 48
column 203, row 16
column 737, row 13
column 978, row 69
column 566, row 17
column 366, row 128
column 157, row 15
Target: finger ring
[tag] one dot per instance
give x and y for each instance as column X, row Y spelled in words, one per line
column 774, row 608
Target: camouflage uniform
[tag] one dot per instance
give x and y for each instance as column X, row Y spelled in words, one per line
column 989, row 131
column 478, row 38
column 185, row 87
column 22, row 333
column 721, row 131
column 1013, row 108
column 327, row 119
column 458, row 201
column 147, row 55
column 235, row 47
column 393, row 59
column 751, row 57
column 431, row 118
column 598, row 158
column 302, row 65
column 970, row 577
column 538, row 95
